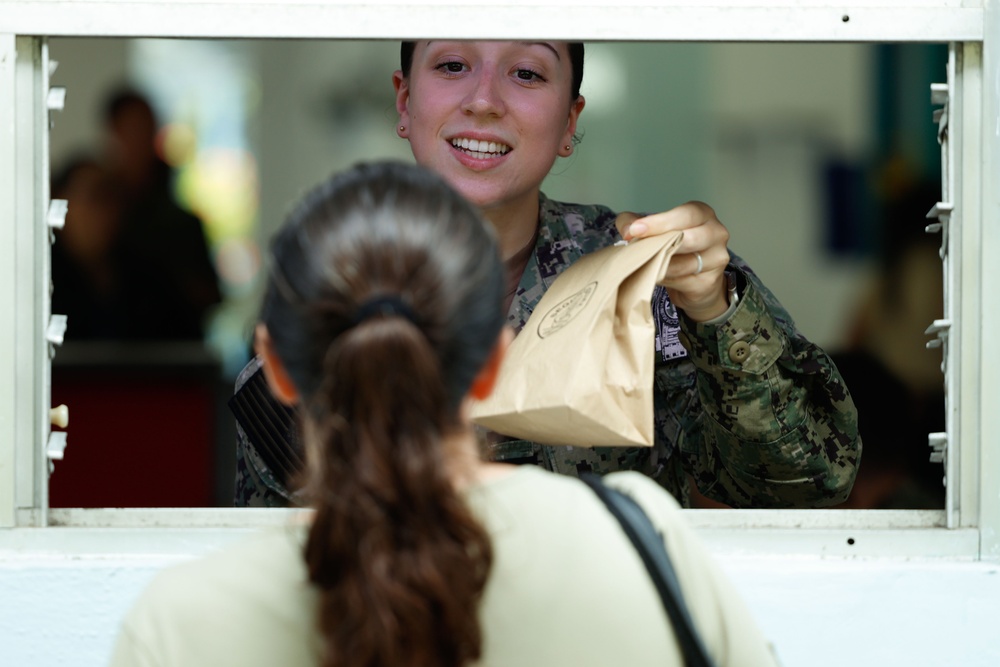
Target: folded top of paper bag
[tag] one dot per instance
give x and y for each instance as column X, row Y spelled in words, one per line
column 580, row 372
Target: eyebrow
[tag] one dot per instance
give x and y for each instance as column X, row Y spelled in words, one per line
column 545, row 44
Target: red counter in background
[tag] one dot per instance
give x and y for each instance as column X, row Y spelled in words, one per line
column 142, row 425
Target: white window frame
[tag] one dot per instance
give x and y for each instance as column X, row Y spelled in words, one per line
column 969, row 526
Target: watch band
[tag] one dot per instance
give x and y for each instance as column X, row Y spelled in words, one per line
column 732, row 287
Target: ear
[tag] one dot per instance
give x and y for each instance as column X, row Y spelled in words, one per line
column 274, row 371
column 486, row 380
column 574, row 116
column 402, row 87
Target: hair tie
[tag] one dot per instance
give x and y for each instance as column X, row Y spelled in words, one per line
column 386, row 306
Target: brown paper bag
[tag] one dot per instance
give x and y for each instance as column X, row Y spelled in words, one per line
column 581, row 370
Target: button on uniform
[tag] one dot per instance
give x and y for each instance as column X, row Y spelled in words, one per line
column 739, row 351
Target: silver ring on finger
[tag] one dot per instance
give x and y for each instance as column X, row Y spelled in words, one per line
column 701, row 264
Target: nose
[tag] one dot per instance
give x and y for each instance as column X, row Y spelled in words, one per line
column 485, row 97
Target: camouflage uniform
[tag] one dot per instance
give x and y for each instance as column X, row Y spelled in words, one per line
column 754, row 412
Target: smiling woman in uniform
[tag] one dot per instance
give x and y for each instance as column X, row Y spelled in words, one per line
column 746, row 407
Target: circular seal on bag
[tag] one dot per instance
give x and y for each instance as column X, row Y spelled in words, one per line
column 563, row 312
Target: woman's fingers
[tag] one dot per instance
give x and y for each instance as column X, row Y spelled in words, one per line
column 684, row 217
column 703, row 233
column 623, row 222
column 702, row 296
column 694, row 278
column 713, row 259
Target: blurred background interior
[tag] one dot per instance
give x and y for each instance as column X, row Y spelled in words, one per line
column 180, row 157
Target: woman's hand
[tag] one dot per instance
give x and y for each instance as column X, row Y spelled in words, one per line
column 694, row 280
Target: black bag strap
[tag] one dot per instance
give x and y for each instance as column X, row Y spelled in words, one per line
column 649, row 543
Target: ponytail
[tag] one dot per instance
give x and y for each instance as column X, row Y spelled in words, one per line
column 397, row 555
column 383, row 303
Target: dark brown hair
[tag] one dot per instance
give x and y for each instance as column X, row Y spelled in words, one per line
column 383, row 303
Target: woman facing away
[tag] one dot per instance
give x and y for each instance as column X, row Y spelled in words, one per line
column 382, row 319
column 745, row 406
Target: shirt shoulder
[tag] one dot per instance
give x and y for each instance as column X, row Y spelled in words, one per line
column 565, row 587
column 588, row 226
column 248, row 603
column 727, row 627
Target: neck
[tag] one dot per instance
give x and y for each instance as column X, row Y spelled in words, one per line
column 515, row 224
column 466, row 466
column 464, row 462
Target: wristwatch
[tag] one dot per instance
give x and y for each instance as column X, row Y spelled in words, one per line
column 732, row 287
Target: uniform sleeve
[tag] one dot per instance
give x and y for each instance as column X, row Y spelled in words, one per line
column 778, row 427
column 256, row 484
column 727, row 628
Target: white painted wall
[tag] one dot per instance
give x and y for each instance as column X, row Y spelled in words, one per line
column 61, row 607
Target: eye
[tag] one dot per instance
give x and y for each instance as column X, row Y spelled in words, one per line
column 525, row 74
column 451, row 67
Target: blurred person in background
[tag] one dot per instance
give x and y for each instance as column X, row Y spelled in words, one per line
column 896, row 382
column 89, row 277
column 176, row 280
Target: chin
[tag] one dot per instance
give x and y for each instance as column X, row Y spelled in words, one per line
column 481, row 197
column 485, row 191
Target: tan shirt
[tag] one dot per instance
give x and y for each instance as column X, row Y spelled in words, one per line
column 567, row 588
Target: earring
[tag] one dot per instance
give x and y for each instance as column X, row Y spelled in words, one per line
column 402, row 128
column 568, row 147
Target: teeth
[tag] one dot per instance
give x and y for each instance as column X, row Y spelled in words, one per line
column 480, row 149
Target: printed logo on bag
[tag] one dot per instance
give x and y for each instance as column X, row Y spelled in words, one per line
column 563, row 312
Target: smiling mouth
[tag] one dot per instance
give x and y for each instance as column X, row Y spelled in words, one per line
column 481, row 150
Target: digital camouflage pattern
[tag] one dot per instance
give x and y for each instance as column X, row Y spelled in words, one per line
column 257, row 485
column 756, row 414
